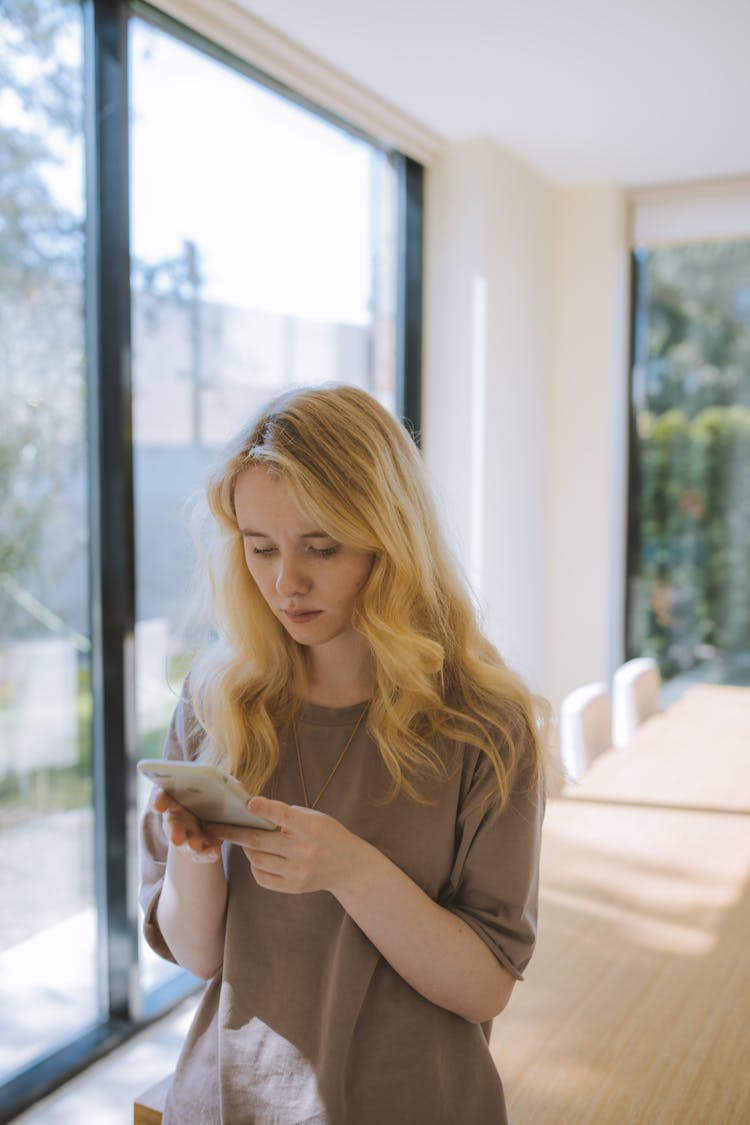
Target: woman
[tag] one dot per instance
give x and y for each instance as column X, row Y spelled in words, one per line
column 357, row 954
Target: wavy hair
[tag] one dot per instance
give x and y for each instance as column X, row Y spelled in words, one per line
column 354, row 469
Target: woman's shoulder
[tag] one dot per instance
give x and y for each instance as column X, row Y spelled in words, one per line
column 501, row 720
column 500, row 751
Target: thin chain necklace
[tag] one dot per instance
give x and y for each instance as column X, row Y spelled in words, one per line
column 339, row 760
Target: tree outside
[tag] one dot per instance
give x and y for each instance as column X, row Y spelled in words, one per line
column 689, row 564
column 41, row 302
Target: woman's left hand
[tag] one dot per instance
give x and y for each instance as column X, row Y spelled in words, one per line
column 433, row 949
column 309, row 851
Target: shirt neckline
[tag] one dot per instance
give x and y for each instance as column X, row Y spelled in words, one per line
column 330, row 716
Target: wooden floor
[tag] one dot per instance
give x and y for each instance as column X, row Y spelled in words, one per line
column 149, row 1106
column 636, row 1006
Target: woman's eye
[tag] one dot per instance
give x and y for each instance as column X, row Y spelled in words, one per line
column 316, row 552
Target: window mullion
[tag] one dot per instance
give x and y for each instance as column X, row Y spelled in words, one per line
column 111, row 491
column 409, row 293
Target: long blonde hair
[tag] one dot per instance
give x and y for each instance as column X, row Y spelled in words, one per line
column 353, row 468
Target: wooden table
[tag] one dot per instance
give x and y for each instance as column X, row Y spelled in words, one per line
column 636, row 1006
column 696, row 754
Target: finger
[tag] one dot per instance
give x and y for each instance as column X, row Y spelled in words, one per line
column 169, row 808
column 172, row 809
column 251, row 839
column 272, row 882
column 262, row 862
column 181, row 826
column 278, row 812
column 161, row 801
column 174, row 829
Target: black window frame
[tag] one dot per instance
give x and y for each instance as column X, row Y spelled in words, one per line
column 112, row 515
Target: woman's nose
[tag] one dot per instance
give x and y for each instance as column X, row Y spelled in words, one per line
column 291, row 579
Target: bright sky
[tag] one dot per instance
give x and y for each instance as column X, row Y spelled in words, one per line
column 277, row 200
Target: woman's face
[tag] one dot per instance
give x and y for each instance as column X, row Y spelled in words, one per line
column 310, row 581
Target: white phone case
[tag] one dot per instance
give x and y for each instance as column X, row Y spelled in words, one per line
column 206, row 791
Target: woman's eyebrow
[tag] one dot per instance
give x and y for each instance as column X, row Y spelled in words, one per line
column 264, row 534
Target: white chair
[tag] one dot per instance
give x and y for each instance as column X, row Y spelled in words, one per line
column 585, row 728
column 636, row 691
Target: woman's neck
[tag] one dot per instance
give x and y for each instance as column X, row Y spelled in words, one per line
column 336, row 679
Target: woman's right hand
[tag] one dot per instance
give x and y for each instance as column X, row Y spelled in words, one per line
column 187, row 835
column 191, row 911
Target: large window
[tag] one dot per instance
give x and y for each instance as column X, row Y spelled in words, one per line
column 220, row 240
column 263, row 255
column 689, row 564
column 48, row 962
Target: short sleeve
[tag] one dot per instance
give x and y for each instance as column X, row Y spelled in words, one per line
column 181, row 743
column 494, row 883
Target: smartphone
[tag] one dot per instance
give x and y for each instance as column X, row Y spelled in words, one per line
column 208, row 792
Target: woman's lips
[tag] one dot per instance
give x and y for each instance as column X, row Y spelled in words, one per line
column 300, row 616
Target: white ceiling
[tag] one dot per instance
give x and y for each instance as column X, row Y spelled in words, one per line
column 636, row 92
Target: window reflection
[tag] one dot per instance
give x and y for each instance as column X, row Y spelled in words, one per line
column 48, row 921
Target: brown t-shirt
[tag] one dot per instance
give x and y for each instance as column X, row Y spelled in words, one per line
column 306, row 1022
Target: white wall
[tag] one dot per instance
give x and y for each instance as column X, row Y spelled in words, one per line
column 525, row 404
column 585, row 573
column 489, row 311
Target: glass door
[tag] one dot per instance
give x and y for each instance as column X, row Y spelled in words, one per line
column 48, row 956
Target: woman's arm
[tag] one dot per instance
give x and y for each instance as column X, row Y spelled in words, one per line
column 435, row 951
column 192, row 905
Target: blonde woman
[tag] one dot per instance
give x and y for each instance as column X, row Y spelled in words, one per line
column 356, row 955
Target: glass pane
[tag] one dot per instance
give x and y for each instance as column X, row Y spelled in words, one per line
column 47, row 924
column 263, row 246
column 690, row 529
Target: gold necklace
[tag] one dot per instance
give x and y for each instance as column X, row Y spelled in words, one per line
column 339, row 760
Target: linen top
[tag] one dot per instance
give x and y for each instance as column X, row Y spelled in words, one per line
column 306, row 1022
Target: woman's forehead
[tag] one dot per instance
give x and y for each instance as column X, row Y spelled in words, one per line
column 267, row 498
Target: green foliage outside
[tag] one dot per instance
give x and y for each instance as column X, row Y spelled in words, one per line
column 694, row 556
column 690, row 519
column 41, row 270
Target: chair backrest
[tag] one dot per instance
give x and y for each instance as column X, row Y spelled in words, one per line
column 636, row 692
column 585, row 728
